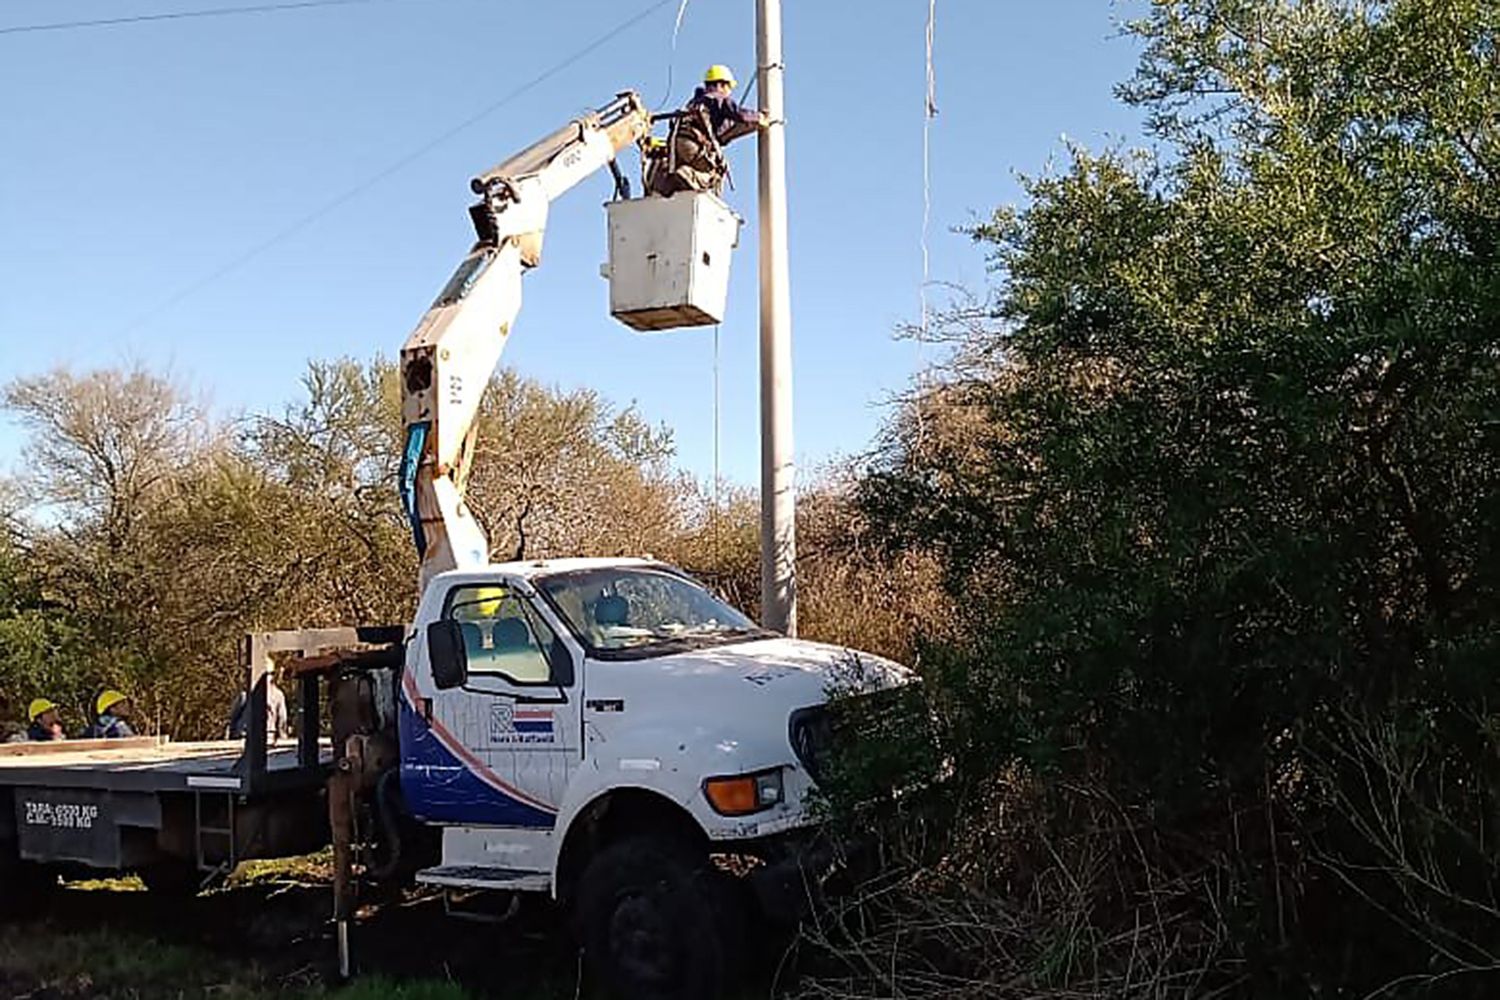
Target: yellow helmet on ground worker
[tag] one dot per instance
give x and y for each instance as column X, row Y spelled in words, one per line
column 38, row 708
column 108, row 700
column 719, row 73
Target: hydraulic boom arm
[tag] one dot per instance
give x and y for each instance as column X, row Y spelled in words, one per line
column 450, row 356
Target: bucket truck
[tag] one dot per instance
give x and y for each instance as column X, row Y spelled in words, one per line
column 600, row 732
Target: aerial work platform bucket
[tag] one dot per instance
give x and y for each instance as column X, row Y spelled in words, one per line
column 669, row 260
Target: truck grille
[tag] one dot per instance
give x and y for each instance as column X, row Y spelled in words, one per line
column 880, row 716
column 811, row 735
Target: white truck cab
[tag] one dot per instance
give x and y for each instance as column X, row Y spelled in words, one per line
column 610, row 733
column 535, row 691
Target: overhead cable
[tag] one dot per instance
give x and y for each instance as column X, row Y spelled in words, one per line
column 180, row 15
column 929, row 113
column 672, row 53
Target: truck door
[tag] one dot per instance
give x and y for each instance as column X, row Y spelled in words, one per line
column 499, row 749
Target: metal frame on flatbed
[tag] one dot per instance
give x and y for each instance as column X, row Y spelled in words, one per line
column 318, row 651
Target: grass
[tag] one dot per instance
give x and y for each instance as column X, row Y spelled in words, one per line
column 380, row 988
column 102, row 963
column 316, row 869
column 125, row 883
column 95, row 965
column 264, row 934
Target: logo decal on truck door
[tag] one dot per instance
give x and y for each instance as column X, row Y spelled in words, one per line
column 511, row 724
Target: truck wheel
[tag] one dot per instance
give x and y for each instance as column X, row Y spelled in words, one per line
column 657, row 922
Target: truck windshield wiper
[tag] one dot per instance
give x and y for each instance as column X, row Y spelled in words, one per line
column 661, row 643
column 731, row 631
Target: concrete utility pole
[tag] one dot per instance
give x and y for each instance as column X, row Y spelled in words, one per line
column 778, row 491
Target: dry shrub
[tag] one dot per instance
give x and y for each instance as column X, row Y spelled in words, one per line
column 1019, row 904
column 854, row 592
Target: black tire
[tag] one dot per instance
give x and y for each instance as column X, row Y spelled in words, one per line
column 658, row 922
column 178, row 880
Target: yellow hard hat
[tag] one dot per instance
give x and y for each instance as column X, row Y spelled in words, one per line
column 719, row 73
column 38, row 708
column 487, row 601
column 108, row 700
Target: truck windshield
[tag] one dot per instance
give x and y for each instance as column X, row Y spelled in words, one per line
column 631, row 612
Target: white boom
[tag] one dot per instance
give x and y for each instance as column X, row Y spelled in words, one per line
column 450, row 356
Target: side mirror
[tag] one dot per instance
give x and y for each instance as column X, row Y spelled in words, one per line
column 560, row 661
column 447, row 654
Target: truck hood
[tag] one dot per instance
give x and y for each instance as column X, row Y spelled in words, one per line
column 789, row 671
column 671, row 721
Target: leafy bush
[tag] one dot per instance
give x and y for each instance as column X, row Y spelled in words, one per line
column 1213, row 479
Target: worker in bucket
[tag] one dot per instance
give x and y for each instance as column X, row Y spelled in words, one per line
column 692, row 159
column 44, row 723
column 114, row 713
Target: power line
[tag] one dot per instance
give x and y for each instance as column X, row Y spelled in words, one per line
column 395, row 166
column 672, row 53
column 929, row 113
column 179, row 15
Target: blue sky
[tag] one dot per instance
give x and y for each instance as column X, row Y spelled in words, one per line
column 137, row 160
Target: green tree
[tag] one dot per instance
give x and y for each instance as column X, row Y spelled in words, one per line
column 106, row 451
column 1215, row 478
column 38, row 645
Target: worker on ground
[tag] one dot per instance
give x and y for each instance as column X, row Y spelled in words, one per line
column 693, row 157
column 276, row 718
column 113, row 722
column 44, row 723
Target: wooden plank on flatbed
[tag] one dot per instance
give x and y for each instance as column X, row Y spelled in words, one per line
column 39, row 748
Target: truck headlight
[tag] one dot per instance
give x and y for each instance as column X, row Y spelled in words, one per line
column 742, row 794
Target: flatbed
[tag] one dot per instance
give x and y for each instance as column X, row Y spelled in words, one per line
column 148, row 764
column 184, row 814
column 178, row 814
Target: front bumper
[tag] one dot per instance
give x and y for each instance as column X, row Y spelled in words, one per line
column 789, row 881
